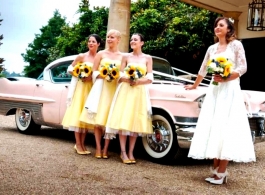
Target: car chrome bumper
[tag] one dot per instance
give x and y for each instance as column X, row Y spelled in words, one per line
column 184, row 136
column 256, row 121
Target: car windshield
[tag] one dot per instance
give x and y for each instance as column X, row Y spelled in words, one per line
column 40, row 77
column 162, row 66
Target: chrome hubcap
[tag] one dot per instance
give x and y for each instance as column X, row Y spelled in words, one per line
column 24, row 117
column 160, row 139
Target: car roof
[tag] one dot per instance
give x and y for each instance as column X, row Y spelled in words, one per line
column 63, row 59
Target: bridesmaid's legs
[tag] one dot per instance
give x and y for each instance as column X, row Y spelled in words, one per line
column 98, row 135
column 106, row 146
column 131, row 146
column 83, row 138
column 78, row 141
column 123, row 139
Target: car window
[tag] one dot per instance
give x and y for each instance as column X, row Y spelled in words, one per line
column 163, row 66
column 59, row 73
column 40, row 77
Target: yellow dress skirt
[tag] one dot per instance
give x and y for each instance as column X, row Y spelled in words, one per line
column 107, row 92
column 71, row 118
column 129, row 112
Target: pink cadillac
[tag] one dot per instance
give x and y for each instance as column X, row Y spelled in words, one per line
column 42, row 101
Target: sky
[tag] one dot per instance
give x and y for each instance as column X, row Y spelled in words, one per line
column 23, row 19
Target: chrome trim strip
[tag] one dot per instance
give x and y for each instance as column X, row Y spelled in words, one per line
column 34, row 108
column 186, row 120
column 25, row 98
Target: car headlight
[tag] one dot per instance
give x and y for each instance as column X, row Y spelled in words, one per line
column 200, row 100
column 262, row 106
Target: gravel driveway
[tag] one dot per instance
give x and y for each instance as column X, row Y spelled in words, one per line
column 46, row 164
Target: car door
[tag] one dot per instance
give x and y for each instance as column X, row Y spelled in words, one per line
column 52, row 92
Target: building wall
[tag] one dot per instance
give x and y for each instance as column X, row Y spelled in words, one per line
column 243, row 33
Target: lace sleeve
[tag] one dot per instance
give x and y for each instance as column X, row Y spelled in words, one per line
column 203, row 70
column 240, row 58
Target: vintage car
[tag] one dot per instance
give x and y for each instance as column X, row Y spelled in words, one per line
column 42, row 101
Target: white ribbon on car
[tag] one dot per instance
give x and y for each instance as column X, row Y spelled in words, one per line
column 248, row 105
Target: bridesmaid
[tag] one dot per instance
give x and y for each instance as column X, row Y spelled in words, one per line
column 100, row 98
column 130, row 113
column 81, row 91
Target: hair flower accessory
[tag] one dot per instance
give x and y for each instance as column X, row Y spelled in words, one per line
column 231, row 20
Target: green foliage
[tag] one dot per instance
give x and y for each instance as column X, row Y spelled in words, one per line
column 173, row 30
column 38, row 51
column 73, row 39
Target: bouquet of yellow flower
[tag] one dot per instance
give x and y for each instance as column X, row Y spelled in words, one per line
column 82, row 70
column 219, row 65
column 109, row 71
column 132, row 72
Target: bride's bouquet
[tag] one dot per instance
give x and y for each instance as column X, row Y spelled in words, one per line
column 82, row 70
column 219, row 65
column 133, row 73
column 109, row 71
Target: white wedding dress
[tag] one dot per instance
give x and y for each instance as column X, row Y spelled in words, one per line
column 223, row 130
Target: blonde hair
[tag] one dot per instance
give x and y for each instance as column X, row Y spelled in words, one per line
column 115, row 32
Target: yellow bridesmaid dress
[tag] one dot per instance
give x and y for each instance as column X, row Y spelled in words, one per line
column 129, row 112
column 107, row 93
column 71, row 118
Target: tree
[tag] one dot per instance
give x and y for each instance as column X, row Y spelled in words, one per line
column 73, row 40
column 38, row 51
column 1, row 59
column 173, row 30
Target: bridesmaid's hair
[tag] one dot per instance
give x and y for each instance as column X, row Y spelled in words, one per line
column 231, row 35
column 115, row 32
column 140, row 35
column 97, row 37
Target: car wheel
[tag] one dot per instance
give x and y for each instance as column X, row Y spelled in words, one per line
column 25, row 123
column 162, row 145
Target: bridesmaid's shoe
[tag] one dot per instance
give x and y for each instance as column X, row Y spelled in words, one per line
column 98, row 156
column 133, row 161
column 105, row 156
column 214, row 172
column 79, row 152
column 222, row 178
column 128, row 161
column 87, row 152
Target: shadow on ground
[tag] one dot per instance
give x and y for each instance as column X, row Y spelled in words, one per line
column 139, row 152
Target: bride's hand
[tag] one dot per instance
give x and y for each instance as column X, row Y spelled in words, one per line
column 218, row 78
column 189, row 87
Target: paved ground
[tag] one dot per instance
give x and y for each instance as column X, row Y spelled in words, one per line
column 46, row 164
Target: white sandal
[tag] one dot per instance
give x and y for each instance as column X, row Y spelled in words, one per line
column 222, row 176
column 214, row 172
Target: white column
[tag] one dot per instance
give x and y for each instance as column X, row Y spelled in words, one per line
column 119, row 19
